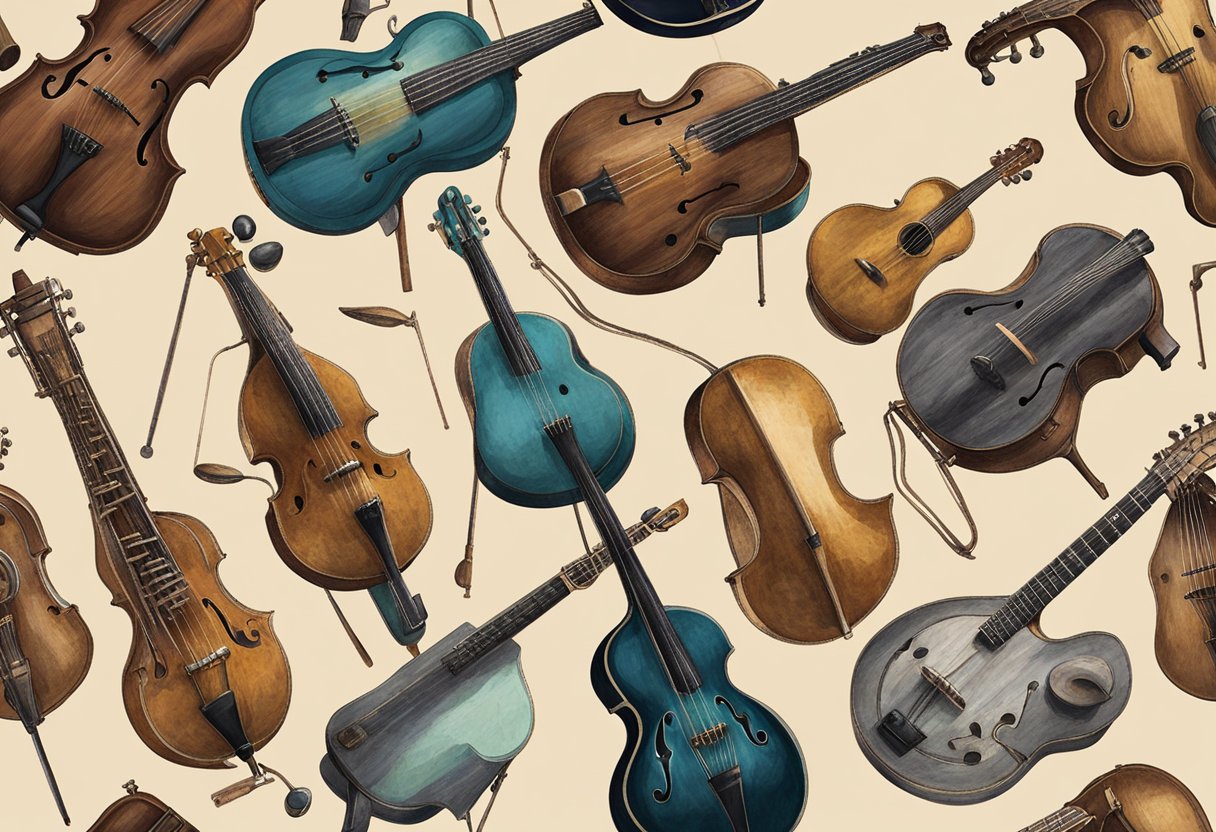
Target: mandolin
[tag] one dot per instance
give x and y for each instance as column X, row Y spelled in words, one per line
column 957, row 700
column 813, row 560
column 139, row 812
column 1132, row 798
column 45, row 646
column 333, row 139
column 866, row 263
column 682, row 18
column 1147, row 102
column 997, row 378
column 206, row 679
column 1182, row 572
column 86, row 160
column 443, row 729
column 642, row 194
column 345, row 515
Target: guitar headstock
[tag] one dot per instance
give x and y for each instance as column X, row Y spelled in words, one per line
column 1192, row 453
column 1006, row 30
column 36, row 311
column 1014, row 161
column 456, row 221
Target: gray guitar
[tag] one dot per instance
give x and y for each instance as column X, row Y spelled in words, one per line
column 957, row 700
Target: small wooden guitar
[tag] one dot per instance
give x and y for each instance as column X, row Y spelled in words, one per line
column 866, row 263
column 1133, row 798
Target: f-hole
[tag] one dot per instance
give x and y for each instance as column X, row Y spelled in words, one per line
column 915, row 238
column 160, row 115
column 697, row 95
column 72, row 76
column 971, row 310
column 1025, row 400
column 1116, row 120
column 759, row 737
column 663, row 751
column 239, row 636
column 392, row 158
column 684, row 203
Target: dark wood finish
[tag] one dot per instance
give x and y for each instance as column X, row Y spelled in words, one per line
column 140, row 812
column 762, row 429
column 112, row 201
column 1147, row 800
column 10, row 52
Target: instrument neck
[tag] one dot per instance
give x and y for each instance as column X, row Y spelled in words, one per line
column 943, row 215
column 506, row 625
column 437, row 84
column 723, row 131
column 165, row 24
column 515, row 344
column 641, row 593
column 1025, row 605
column 264, row 324
column 1068, row 819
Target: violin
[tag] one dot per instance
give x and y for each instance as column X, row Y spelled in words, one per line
column 206, row 679
column 865, row 263
column 344, row 514
column 45, row 646
column 1147, row 102
column 460, row 713
column 140, row 812
column 813, row 560
column 1131, row 798
column 87, row 163
column 997, row 378
column 957, row 700
column 642, row 193
column 333, row 139
column 1182, row 572
column 682, row 18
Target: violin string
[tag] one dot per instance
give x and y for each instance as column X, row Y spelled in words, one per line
column 1204, row 604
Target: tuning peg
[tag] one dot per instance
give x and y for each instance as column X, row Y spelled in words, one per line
column 1015, row 57
column 431, row 226
column 1026, row 174
column 76, row 329
column 1036, row 50
column 1158, row 456
column 1199, row 419
column 1186, row 429
column 481, row 220
column 468, row 200
column 1006, row 181
column 13, row 352
column 265, row 256
column 1174, row 435
column 244, row 228
column 987, row 77
column 67, row 294
column 1212, row 415
column 70, row 312
column 476, row 209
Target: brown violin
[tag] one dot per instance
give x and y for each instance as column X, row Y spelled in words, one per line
column 1183, row 574
column 813, row 560
column 1132, row 798
column 206, row 679
column 86, row 159
column 139, row 812
column 45, row 647
column 1147, row 102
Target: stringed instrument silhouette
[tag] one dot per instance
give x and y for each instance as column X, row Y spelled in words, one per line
column 1132, row 798
column 683, row 18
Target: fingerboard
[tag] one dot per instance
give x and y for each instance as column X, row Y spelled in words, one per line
column 1068, row 819
column 162, row 26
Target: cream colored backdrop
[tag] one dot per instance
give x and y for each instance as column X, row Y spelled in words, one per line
column 932, row 118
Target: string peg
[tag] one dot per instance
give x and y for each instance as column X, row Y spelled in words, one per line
column 1026, row 174
column 986, row 76
column 1199, row 419
column 1015, row 57
column 1212, row 415
column 244, row 228
column 13, row 352
column 67, row 294
column 265, row 256
column 1006, row 181
column 1158, row 456
column 1036, row 49
column 1174, row 435
column 476, row 209
column 76, row 329
column 1186, row 429
column 70, row 312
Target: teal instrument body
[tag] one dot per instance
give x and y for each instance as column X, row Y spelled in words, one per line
column 659, row 783
column 345, row 187
column 514, row 459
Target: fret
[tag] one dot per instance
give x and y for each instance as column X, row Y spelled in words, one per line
column 1068, row 819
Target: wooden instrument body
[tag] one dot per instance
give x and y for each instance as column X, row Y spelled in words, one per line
column 161, row 700
column 10, row 51
column 311, row 521
column 140, row 812
column 682, row 18
column 1152, row 800
column 1011, row 680
column 1186, row 640
column 669, row 226
column 631, row 682
column 1100, row 335
column 851, row 305
column 328, row 191
column 762, row 429
column 426, row 739
column 514, row 458
column 53, row 636
column 116, row 199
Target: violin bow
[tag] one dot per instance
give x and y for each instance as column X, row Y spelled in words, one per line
column 1197, row 272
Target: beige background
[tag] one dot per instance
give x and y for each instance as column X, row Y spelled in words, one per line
column 932, row 118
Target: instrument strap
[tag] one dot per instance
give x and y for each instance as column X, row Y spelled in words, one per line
column 1197, row 272
column 899, row 473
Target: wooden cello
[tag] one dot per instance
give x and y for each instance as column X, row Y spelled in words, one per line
column 1131, row 798
column 86, row 159
column 45, row 647
column 140, row 812
column 813, row 560
column 1147, row 101
column 206, row 679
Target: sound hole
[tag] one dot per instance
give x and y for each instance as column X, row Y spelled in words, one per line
column 251, row 640
column 1025, row 400
column 563, row 389
column 972, row 758
column 671, row 239
column 920, row 652
column 299, row 501
column 915, row 238
column 1198, row 32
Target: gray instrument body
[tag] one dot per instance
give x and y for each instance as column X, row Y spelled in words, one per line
column 1007, row 696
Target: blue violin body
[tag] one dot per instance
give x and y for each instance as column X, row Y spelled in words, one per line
column 659, row 783
column 514, row 458
column 682, row 18
column 344, row 188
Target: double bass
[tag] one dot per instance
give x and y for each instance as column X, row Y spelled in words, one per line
column 86, row 158
column 643, row 193
column 955, row 701
column 813, row 560
column 206, row 678
column 1147, row 101
column 1133, row 797
column 45, row 646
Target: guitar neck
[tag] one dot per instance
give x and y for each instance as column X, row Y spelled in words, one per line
column 515, row 344
column 951, row 209
column 1068, row 819
column 1028, row 603
column 727, row 129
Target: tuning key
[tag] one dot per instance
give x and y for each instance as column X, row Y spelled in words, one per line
column 1199, row 419
column 987, row 77
column 1036, row 50
column 1174, row 435
column 1186, row 429
column 76, row 329
column 1212, row 415
column 1158, row 456
column 244, row 228
column 1026, row 174
column 1015, row 57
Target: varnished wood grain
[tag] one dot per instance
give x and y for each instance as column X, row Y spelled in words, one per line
column 140, row 813
column 1153, row 801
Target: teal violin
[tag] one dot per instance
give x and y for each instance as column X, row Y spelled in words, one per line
column 443, row 729
column 334, row 138
column 503, row 367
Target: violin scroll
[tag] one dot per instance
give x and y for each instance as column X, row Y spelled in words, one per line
column 1007, row 30
column 5, row 444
